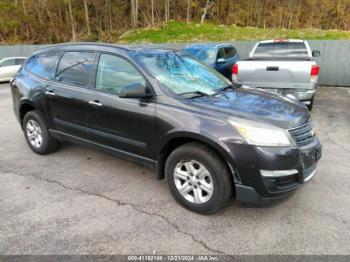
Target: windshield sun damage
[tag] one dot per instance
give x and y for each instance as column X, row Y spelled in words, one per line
column 181, row 73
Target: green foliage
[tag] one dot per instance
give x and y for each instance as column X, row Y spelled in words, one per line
column 54, row 21
column 182, row 32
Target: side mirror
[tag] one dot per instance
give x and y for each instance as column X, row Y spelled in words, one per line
column 137, row 90
column 316, row 53
column 221, row 60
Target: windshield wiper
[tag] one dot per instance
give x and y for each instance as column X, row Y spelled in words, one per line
column 231, row 86
column 194, row 94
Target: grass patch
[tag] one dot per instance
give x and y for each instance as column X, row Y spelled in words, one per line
column 176, row 31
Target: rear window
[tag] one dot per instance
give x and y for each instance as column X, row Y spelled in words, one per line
column 281, row 49
column 42, row 65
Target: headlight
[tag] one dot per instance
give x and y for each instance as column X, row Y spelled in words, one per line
column 261, row 134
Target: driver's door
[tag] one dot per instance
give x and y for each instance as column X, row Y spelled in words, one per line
column 125, row 124
column 221, row 66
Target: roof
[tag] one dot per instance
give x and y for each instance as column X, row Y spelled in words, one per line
column 104, row 47
column 209, row 45
column 282, row 40
column 12, row 57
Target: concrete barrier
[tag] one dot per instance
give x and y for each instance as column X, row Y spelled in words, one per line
column 334, row 60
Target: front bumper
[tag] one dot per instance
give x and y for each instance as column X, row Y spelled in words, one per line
column 254, row 188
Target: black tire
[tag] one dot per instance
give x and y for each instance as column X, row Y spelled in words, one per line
column 221, row 176
column 309, row 106
column 48, row 144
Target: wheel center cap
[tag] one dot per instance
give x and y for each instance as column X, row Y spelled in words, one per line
column 193, row 180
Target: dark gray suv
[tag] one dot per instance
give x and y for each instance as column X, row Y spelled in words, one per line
column 165, row 109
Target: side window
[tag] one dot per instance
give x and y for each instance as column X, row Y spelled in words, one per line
column 76, row 68
column 229, row 52
column 8, row 62
column 42, row 65
column 114, row 73
column 221, row 53
column 19, row 61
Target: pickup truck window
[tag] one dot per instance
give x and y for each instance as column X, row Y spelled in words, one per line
column 281, row 49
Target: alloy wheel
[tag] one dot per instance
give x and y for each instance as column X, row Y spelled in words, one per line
column 34, row 133
column 193, row 181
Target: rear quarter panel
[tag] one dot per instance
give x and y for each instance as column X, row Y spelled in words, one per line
column 27, row 89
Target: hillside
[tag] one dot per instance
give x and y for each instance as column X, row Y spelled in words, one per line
column 183, row 32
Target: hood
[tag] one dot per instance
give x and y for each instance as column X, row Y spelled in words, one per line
column 256, row 105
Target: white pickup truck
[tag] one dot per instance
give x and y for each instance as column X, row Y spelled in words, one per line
column 282, row 66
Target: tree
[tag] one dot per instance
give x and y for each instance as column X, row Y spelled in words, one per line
column 188, row 11
column 205, row 11
column 74, row 37
column 86, row 11
column 134, row 12
column 152, row 11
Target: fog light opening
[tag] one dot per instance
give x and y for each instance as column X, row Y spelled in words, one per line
column 278, row 173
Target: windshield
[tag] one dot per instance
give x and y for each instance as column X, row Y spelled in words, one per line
column 207, row 55
column 281, row 49
column 181, row 73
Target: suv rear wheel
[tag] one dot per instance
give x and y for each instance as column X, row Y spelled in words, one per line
column 37, row 135
column 198, row 178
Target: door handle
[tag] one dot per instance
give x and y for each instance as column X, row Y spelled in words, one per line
column 95, row 103
column 272, row 68
column 50, row 92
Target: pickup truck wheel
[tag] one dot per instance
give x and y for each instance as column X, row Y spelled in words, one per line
column 198, row 178
column 309, row 106
column 37, row 135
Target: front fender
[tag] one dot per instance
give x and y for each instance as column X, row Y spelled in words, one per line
column 218, row 144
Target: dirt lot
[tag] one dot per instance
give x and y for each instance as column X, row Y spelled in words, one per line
column 79, row 201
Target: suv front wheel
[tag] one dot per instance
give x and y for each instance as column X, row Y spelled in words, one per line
column 198, row 178
column 37, row 135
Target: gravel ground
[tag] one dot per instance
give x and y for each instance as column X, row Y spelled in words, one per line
column 79, row 201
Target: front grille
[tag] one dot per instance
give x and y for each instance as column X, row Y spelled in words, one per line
column 302, row 135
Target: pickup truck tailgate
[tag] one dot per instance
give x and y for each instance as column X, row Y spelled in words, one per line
column 275, row 74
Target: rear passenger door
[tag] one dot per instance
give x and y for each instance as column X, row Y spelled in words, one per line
column 221, row 66
column 66, row 94
column 124, row 124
